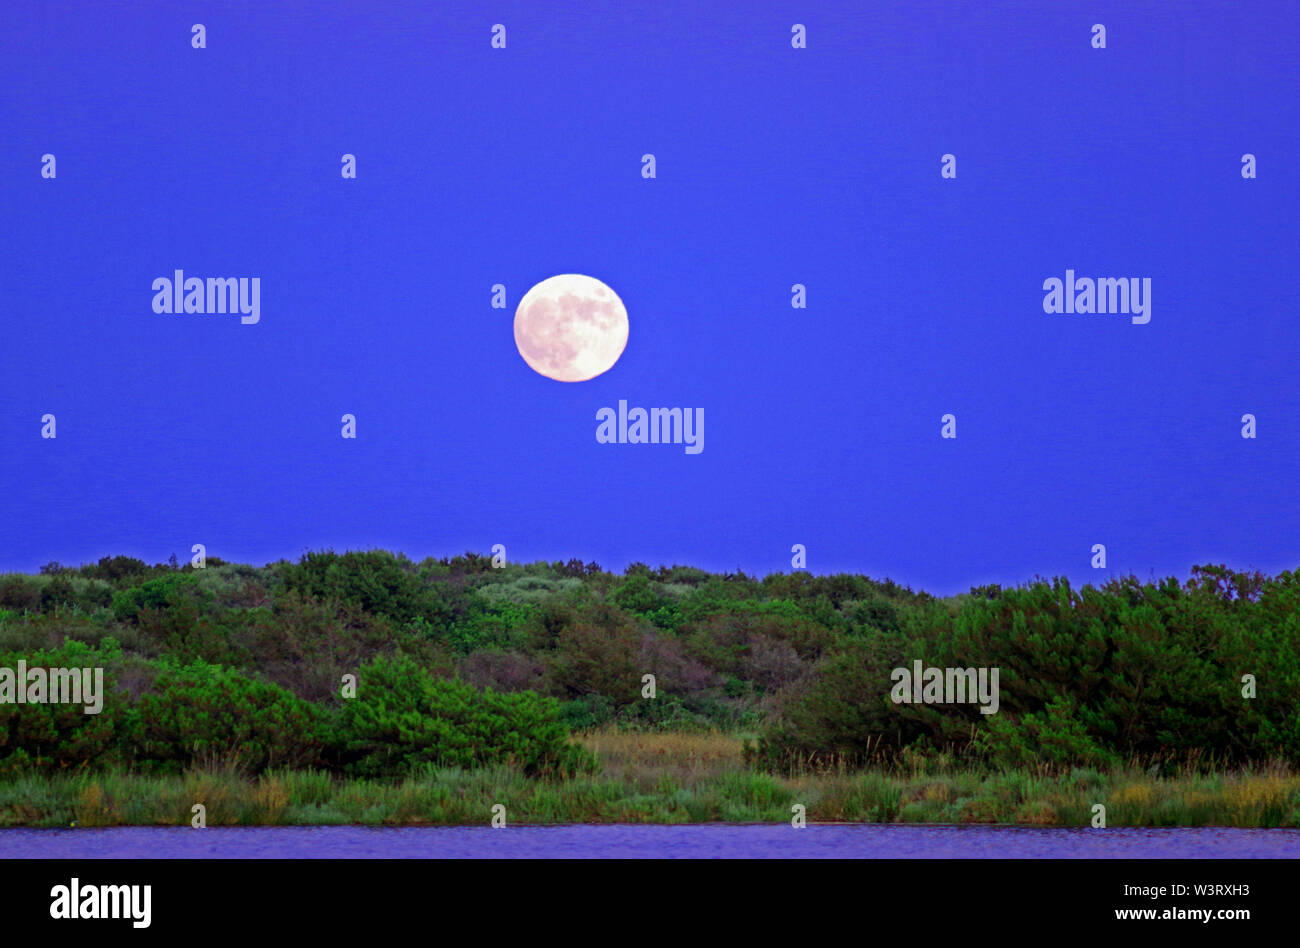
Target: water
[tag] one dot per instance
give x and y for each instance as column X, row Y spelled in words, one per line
column 824, row 841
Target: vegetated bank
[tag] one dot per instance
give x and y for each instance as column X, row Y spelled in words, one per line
column 471, row 679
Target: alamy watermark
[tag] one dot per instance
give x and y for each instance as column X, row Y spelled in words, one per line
column 1104, row 295
column 653, row 426
column 102, row 901
column 921, row 685
column 215, row 295
column 53, row 686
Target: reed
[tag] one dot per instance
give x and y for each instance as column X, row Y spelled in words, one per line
column 670, row 778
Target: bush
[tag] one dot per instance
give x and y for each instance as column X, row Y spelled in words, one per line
column 19, row 594
column 114, row 569
column 587, row 713
column 598, row 655
column 157, row 594
column 403, row 717
column 1054, row 737
column 377, row 581
column 202, row 713
column 1088, row 677
column 61, row 736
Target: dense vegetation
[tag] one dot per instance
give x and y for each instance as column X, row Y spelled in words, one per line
column 462, row 665
column 657, row 777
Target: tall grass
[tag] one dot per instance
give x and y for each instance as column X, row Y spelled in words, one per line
column 659, row 778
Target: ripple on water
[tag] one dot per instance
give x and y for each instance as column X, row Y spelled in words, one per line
column 816, row 841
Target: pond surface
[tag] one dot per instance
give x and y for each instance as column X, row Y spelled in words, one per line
column 707, row 841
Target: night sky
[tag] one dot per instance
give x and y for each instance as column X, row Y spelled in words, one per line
column 775, row 166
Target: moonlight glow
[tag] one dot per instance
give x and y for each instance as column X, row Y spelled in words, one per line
column 571, row 327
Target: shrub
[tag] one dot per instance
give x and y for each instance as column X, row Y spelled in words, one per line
column 586, row 713
column 1054, row 736
column 376, row 580
column 202, row 713
column 114, row 569
column 19, row 594
column 157, row 594
column 1088, row 677
column 61, row 736
column 403, row 717
column 598, row 654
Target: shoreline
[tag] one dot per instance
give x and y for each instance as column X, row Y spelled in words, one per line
column 584, row 825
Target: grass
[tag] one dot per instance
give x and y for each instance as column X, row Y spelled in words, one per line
column 657, row 778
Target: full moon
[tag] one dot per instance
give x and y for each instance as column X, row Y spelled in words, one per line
column 571, row 327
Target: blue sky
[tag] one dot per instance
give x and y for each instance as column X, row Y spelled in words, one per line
column 775, row 166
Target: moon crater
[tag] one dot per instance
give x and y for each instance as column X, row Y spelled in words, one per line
column 571, row 327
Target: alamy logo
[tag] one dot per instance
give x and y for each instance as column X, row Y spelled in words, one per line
column 102, row 901
column 656, row 426
column 53, row 686
column 922, row 685
column 215, row 295
column 1084, row 295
